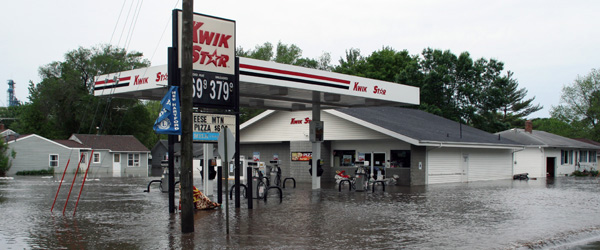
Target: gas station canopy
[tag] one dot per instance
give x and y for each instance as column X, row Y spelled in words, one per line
column 270, row 85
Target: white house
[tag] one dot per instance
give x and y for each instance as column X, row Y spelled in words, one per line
column 419, row 147
column 549, row 155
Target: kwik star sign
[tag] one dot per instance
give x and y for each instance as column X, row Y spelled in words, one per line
column 213, row 60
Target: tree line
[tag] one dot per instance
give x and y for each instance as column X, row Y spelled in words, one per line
column 476, row 92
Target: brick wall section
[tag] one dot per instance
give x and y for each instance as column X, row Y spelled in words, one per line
column 299, row 169
column 418, row 176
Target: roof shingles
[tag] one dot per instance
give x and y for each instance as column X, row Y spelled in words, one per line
column 119, row 143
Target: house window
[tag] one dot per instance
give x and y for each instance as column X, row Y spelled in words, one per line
column 592, row 156
column 133, row 160
column 53, row 160
column 96, row 157
column 583, row 156
column 566, row 157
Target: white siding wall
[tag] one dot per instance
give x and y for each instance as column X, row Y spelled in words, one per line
column 489, row 164
column 444, row 165
column 33, row 153
column 277, row 127
column 532, row 161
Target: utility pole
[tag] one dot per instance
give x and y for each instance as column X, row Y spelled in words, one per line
column 186, row 175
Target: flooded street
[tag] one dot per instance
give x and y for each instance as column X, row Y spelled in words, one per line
column 115, row 213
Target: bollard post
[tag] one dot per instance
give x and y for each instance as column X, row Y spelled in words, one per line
column 249, row 189
column 220, row 184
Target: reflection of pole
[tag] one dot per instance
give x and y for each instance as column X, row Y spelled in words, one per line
column 83, row 183
column 186, row 175
column 59, row 185
column 227, row 164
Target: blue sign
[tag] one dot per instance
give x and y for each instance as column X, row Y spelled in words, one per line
column 206, row 136
column 169, row 119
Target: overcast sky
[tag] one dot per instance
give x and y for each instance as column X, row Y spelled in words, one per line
column 547, row 44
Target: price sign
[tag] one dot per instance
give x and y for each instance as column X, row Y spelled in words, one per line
column 208, row 126
column 214, row 90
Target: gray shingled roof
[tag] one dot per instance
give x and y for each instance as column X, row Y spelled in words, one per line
column 423, row 126
column 543, row 139
column 119, row 143
column 70, row 143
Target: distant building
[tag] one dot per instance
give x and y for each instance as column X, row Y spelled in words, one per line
column 549, row 155
column 420, row 148
column 12, row 99
column 113, row 155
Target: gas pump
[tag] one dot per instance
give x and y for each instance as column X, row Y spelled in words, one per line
column 361, row 178
column 258, row 172
column 275, row 173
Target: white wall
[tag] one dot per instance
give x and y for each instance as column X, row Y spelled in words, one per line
column 531, row 161
column 278, row 127
column 446, row 165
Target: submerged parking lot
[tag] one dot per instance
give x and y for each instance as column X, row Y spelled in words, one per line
column 115, row 213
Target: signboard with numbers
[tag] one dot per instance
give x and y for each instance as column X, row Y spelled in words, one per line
column 213, row 60
column 208, row 126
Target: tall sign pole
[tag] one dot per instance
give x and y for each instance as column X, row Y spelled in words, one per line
column 206, row 46
column 186, row 175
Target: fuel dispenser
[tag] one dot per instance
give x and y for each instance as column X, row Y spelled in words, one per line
column 275, row 173
column 361, row 180
column 258, row 172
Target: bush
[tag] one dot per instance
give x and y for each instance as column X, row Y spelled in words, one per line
column 585, row 173
column 37, row 172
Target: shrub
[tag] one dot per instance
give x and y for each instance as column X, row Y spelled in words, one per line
column 37, row 172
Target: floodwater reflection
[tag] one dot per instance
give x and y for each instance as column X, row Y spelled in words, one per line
column 115, row 213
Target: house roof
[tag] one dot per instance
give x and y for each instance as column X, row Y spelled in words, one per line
column 539, row 138
column 120, row 143
column 587, row 141
column 421, row 128
column 70, row 143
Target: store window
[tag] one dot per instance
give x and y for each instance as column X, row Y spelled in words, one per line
column 400, row 159
column 344, row 158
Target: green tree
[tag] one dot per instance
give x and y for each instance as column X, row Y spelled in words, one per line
column 282, row 53
column 556, row 126
column 580, row 105
column 5, row 158
column 62, row 102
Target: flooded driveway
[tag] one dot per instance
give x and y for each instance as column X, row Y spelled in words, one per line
column 115, row 213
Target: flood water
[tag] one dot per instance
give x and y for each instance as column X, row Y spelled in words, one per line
column 115, row 213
